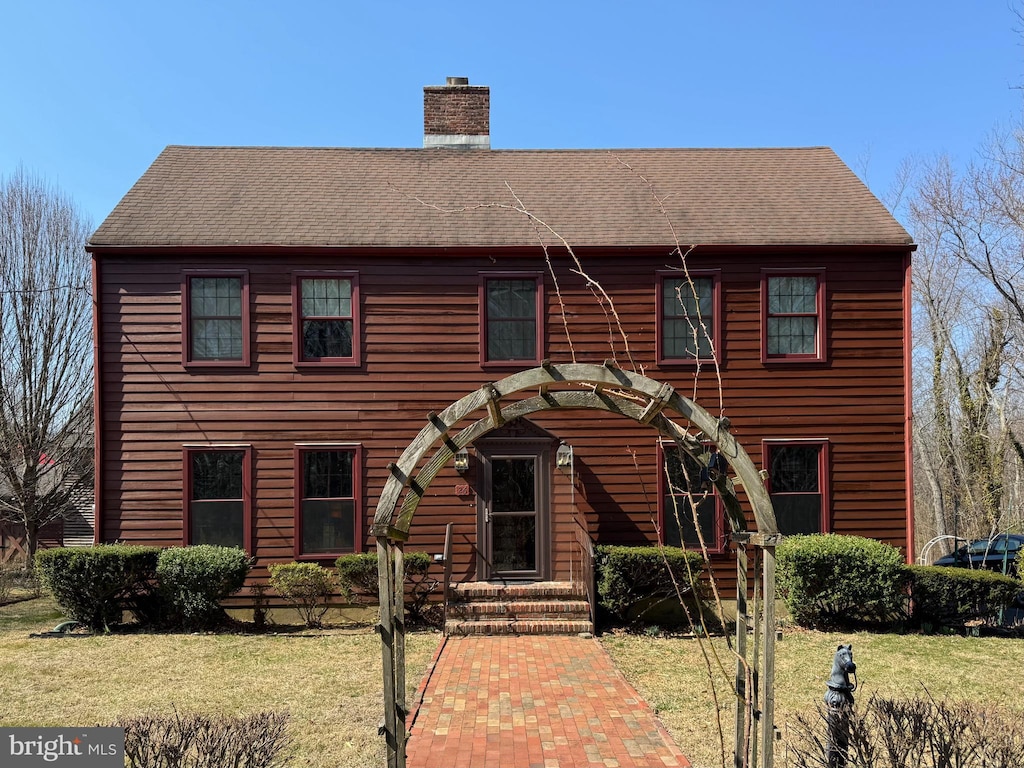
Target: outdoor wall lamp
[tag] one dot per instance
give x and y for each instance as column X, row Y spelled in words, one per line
column 461, row 460
column 563, row 456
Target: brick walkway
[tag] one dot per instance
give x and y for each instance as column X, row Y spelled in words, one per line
column 533, row 702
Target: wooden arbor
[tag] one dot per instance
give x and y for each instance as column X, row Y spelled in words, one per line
column 572, row 386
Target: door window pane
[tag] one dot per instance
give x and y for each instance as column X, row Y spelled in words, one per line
column 513, row 485
column 514, row 542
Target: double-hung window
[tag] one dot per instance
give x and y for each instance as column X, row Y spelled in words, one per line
column 327, row 500
column 217, row 497
column 798, row 484
column 688, row 317
column 215, row 318
column 512, row 320
column 793, row 315
column 688, row 502
column 326, row 318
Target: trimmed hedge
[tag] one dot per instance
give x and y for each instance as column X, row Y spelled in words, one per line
column 828, row 580
column 359, row 578
column 628, row 577
column 193, row 580
column 359, row 581
column 307, row 586
column 954, row 596
column 94, row 585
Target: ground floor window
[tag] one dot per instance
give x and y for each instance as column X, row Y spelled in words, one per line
column 327, row 500
column 689, row 509
column 217, row 497
column 798, row 483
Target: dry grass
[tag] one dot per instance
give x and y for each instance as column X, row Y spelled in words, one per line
column 670, row 674
column 330, row 682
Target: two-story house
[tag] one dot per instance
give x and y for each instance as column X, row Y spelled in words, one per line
column 274, row 324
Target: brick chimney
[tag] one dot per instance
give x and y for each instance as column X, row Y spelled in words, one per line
column 457, row 114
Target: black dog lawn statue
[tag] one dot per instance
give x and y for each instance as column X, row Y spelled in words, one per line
column 839, row 700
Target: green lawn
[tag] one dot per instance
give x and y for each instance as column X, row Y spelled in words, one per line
column 330, row 681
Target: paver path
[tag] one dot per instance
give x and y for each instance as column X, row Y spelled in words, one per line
column 533, row 702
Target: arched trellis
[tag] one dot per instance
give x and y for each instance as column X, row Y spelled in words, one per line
column 561, row 387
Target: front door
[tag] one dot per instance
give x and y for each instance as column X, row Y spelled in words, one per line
column 514, row 522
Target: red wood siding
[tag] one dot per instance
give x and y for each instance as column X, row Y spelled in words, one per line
column 419, row 351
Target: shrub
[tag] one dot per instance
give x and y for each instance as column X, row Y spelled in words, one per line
column 201, row 741
column 94, row 585
column 924, row 733
column 953, row 596
column 830, row 580
column 6, row 583
column 359, row 581
column 193, row 581
column 307, row 586
column 628, row 577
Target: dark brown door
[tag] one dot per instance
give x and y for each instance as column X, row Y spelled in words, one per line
column 514, row 524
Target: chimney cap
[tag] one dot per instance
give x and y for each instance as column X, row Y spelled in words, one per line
column 457, row 81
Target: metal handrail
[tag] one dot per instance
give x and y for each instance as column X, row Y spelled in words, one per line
column 447, row 581
column 586, row 546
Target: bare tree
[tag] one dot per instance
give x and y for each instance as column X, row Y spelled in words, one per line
column 45, row 356
column 970, row 325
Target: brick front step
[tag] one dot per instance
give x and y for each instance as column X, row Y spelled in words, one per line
column 518, row 627
column 529, row 608
column 483, row 590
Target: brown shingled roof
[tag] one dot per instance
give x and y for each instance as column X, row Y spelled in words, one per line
column 208, row 196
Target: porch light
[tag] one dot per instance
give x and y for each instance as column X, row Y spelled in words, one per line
column 461, row 460
column 563, row 457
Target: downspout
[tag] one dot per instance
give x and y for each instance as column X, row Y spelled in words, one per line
column 97, row 403
column 908, row 399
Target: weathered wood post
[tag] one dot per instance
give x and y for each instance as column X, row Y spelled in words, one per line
column 755, row 695
column 740, row 750
column 768, row 712
column 391, row 589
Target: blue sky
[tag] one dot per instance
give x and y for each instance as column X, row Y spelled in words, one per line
column 92, row 91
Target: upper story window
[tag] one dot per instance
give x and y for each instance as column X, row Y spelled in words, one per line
column 688, row 502
column 216, row 497
column 216, row 318
column 512, row 318
column 326, row 318
column 798, row 484
column 327, row 500
column 688, row 317
column 793, row 315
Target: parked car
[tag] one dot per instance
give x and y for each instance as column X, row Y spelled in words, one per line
column 1000, row 553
